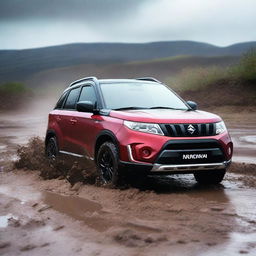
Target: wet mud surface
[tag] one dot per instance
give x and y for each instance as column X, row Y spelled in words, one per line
column 169, row 215
column 244, row 139
column 173, row 215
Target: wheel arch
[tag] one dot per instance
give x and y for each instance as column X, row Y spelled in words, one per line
column 50, row 134
column 102, row 137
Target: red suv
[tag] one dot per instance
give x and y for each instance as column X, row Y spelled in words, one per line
column 137, row 124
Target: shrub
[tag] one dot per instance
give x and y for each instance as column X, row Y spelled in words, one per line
column 246, row 70
column 193, row 79
column 13, row 95
column 13, row 88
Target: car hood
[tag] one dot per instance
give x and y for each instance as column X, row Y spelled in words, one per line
column 166, row 116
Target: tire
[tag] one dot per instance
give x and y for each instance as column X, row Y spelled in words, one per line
column 52, row 150
column 210, row 177
column 107, row 162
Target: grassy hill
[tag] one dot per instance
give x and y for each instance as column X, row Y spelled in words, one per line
column 20, row 64
column 217, row 86
column 165, row 69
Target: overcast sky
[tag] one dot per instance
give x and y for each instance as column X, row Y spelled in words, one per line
column 37, row 23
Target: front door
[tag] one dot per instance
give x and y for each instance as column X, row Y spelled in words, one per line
column 85, row 129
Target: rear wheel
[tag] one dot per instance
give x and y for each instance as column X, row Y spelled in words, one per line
column 107, row 161
column 52, row 149
column 210, row 177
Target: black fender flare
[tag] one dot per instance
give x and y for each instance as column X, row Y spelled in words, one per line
column 103, row 136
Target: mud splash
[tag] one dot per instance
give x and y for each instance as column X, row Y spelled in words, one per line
column 32, row 157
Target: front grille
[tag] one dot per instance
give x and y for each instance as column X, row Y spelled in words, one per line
column 173, row 151
column 191, row 144
column 189, row 130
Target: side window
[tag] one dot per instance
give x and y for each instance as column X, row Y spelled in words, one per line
column 88, row 94
column 72, row 98
column 61, row 101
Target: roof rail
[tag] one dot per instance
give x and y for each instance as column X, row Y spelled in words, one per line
column 148, row 79
column 93, row 78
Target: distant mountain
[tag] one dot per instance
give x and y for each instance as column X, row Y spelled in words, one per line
column 20, row 64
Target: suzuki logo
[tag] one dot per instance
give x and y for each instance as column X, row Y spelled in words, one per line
column 191, row 129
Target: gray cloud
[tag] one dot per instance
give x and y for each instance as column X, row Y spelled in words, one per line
column 36, row 23
column 94, row 10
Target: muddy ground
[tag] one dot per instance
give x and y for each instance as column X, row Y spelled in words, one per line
column 156, row 216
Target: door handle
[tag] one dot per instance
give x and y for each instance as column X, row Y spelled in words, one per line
column 73, row 121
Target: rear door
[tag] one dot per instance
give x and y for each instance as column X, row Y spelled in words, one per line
column 69, row 120
column 56, row 120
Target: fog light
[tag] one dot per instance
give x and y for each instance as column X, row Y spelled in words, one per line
column 146, row 152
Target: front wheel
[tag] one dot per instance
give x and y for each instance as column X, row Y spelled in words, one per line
column 107, row 162
column 210, row 177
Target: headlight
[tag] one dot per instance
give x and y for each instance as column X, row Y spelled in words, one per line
column 220, row 127
column 144, row 127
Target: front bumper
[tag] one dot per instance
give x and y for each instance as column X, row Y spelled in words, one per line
column 167, row 152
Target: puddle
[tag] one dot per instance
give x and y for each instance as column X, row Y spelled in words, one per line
column 238, row 244
column 248, row 139
column 80, row 209
column 244, row 144
column 21, row 192
column 244, row 202
column 4, row 220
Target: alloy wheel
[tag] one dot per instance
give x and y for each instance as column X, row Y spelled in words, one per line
column 106, row 166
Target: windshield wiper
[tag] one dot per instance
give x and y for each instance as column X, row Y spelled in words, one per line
column 129, row 108
column 160, row 107
column 157, row 107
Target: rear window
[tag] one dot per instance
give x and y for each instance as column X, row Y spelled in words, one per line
column 72, row 99
column 61, row 101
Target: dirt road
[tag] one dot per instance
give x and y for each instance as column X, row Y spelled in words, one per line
column 158, row 216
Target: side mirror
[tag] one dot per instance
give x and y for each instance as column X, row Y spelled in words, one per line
column 85, row 106
column 192, row 104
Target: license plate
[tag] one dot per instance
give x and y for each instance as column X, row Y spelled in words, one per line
column 194, row 156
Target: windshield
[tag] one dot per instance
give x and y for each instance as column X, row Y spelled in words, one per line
column 134, row 95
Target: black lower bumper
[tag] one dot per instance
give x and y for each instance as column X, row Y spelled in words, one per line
column 159, row 169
